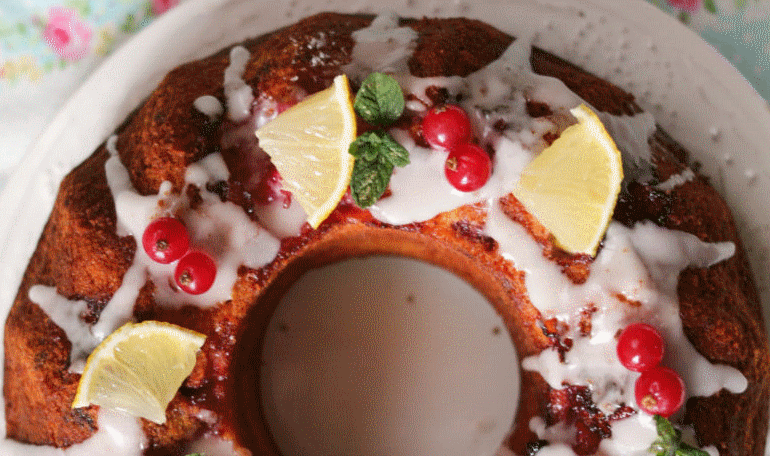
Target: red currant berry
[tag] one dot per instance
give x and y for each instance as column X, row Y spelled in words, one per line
column 165, row 240
column 659, row 391
column 446, row 126
column 468, row 167
column 640, row 347
column 195, row 272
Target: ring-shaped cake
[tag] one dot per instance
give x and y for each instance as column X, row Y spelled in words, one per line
column 670, row 257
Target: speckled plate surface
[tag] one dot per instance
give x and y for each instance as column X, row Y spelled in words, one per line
column 693, row 92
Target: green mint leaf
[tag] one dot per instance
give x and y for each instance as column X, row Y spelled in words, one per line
column 710, row 6
column 687, row 450
column 377, row 153
column 394, row 152
column 370, row 180
column 196, row 454
column 666, row 430
column 380, row 143
column 366, row 146
column 380, row 100
column 669, row 442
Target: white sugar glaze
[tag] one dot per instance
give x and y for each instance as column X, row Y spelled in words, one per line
column 220, row 228
column 238, row 94
column 630, row 435
column 514, row 145
column 118, row 434
column 209, row 105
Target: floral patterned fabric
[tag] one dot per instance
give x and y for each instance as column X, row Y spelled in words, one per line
column 43, row 36
column 47, row 47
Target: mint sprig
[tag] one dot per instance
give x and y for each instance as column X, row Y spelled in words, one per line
column 669, row 441
column 379, row 102
column 378, row 143
column 377, row 153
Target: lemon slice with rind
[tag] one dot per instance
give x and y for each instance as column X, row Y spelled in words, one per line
column 139, row 368
column 573, row 185
column 308, row 144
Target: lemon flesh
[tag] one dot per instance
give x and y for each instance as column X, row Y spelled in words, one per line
column 308, row 144
column 573, row 185
column 139, row 368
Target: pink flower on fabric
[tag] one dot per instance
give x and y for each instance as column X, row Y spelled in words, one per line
column 161, row 6
column 686, row 5
column 66, row 33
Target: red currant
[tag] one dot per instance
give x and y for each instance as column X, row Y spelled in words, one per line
column 446, row 126
column 165, row 240
column 468, row 167
column 640, row 347
column 659, row 391
column 195, row 272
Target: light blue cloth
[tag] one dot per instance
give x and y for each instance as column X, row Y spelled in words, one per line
column 738, row 29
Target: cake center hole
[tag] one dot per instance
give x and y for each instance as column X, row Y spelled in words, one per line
column 387, row 355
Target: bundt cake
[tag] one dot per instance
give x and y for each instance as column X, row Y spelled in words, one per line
column 670, row 269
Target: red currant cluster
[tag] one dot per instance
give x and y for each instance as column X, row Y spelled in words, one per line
column 447, row 127
column 166, row 240
column 659, row 390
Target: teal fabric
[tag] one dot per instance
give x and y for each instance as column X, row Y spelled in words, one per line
column 738, row 29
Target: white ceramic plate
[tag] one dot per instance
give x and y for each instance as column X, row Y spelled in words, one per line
column 693, row 92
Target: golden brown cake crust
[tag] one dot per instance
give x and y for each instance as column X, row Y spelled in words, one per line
column 81, row 255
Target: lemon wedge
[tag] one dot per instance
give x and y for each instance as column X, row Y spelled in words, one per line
column 573, row 185
column 139, row 368
column 308, row 144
